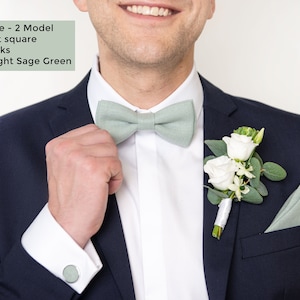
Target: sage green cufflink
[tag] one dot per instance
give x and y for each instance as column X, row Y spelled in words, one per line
column 71, row 274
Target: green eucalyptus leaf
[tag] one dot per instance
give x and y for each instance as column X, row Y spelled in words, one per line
column 274, row 171
column 213, row 198
column 256, row 155
column 218, row 193
column 262, row 189
column 217, row 147
column 256, row 172
column 253, row 196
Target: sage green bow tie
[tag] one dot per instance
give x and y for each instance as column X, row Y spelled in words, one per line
column 174, row 123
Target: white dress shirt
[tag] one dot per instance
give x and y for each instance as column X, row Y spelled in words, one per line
column 160, row 204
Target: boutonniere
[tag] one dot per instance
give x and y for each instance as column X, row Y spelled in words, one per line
column 235, row 170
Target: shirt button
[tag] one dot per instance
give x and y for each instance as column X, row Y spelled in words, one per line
column 71, row 273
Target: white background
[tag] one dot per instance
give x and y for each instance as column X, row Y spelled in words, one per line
column 250, row 48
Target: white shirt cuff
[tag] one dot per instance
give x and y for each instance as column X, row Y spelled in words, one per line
column 47, row 243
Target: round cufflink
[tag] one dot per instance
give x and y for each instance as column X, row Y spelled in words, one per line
column 71, row 273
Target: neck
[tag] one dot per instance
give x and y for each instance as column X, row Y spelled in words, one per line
column 144, row 87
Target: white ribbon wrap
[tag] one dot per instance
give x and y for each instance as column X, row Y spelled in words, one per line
column 223, row 212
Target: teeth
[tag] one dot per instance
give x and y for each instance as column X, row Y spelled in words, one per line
column 149, row 11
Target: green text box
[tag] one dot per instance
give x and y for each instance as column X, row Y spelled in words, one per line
column 37, row 45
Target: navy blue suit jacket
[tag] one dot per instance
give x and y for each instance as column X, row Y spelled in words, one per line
column 244, row 264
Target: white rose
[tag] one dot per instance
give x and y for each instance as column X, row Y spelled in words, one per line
column 239, row 146
column 221, row 172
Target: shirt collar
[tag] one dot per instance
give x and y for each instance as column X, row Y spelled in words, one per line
column 98, row 89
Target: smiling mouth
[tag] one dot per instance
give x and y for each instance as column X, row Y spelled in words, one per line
column 150, row 10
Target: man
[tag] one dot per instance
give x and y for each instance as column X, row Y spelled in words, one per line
column 100, row 218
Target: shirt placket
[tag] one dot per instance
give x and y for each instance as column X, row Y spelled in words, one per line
column 150, row 216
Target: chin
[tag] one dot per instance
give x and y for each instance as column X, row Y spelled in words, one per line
column 153, row 58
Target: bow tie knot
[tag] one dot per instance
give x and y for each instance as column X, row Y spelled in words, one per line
column 174, row 123
column 145, row 121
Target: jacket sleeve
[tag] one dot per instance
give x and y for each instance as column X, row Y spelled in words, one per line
column 21, row 277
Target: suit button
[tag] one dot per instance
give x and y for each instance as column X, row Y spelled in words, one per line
column 71, row 273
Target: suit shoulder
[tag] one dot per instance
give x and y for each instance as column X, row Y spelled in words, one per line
column 31, row 116
column 265, row 108
column 37, row 115
column 242, row 104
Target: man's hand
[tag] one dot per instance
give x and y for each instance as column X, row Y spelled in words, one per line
column 83, row 168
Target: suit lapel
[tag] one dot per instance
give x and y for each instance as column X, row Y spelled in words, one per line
column 73, row 112
column 111, row 242
column 218, row 108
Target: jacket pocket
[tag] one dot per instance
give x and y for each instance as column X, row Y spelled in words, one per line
column 267, row 243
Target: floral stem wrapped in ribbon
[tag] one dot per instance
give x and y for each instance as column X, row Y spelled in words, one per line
column 235, row 170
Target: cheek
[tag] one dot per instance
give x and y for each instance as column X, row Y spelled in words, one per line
column 192, row 29
column 199, row 13
column 98, row 12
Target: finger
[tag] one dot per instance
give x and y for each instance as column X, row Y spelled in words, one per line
column 116, row 176
column 104, row 150
column 115, row 183
column 89, row 134
column 93, row 143
column 80, row 130
column 98, row 136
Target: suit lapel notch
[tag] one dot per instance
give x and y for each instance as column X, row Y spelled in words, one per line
column 73, row 110
column 216, row 99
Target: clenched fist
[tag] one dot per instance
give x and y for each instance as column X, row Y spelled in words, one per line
column 83, row 169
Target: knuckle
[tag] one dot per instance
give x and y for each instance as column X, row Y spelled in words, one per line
column 51, row 146
column 62, row 146
column 110, row 149
column 106, row 135
column 114, row 165
column 91, row 127
column 59, row 148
